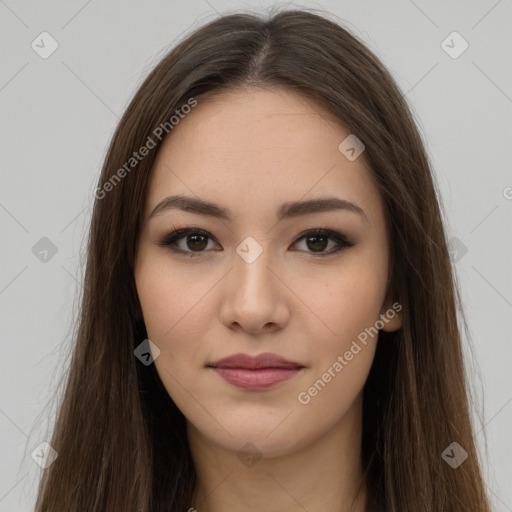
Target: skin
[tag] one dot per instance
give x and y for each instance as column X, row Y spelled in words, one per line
column 250, row 151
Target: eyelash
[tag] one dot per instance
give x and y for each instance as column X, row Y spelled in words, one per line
column 170, row 240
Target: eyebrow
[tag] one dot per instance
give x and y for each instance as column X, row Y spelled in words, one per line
column 285, row 211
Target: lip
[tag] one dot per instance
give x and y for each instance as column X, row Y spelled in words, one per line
column 246, row 361
column 255, row 372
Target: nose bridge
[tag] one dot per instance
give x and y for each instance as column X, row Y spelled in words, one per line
column 252, row 264
column 253, row 294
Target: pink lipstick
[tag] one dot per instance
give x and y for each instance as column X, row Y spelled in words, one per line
column 255, row 372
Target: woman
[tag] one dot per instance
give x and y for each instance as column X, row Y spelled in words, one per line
column 269, row 319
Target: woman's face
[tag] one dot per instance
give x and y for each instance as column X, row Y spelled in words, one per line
column 258, row 281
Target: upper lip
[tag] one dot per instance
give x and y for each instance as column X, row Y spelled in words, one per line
column 265, row 360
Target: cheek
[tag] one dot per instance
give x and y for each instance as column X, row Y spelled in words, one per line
column 347, row 308
column 173, row 323
column 334, row 393
column 172, row 302
column 344, row 303
column 176, row 316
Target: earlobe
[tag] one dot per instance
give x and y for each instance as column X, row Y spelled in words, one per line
column 391, row 316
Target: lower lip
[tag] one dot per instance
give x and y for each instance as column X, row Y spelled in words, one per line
column 256, row 379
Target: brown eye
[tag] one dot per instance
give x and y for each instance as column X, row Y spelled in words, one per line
column 317, row 243
column 196, row 242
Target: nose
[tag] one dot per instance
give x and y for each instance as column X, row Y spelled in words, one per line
column 254, row 297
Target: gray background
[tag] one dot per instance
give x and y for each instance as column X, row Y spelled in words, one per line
column 57, row 117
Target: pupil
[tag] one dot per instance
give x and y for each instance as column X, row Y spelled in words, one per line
column 316, row 238
column 195, row 237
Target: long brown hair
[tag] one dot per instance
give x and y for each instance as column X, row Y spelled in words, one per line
column 121, row 441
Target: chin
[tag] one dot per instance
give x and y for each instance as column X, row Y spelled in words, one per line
column 253, row 438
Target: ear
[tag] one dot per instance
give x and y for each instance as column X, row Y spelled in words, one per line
column 392, row 315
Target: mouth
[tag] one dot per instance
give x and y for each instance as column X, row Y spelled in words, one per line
column 255, row 372
column 261, row 378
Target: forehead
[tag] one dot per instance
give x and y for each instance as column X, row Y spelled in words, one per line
column 241, row 123
column 254, row 149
